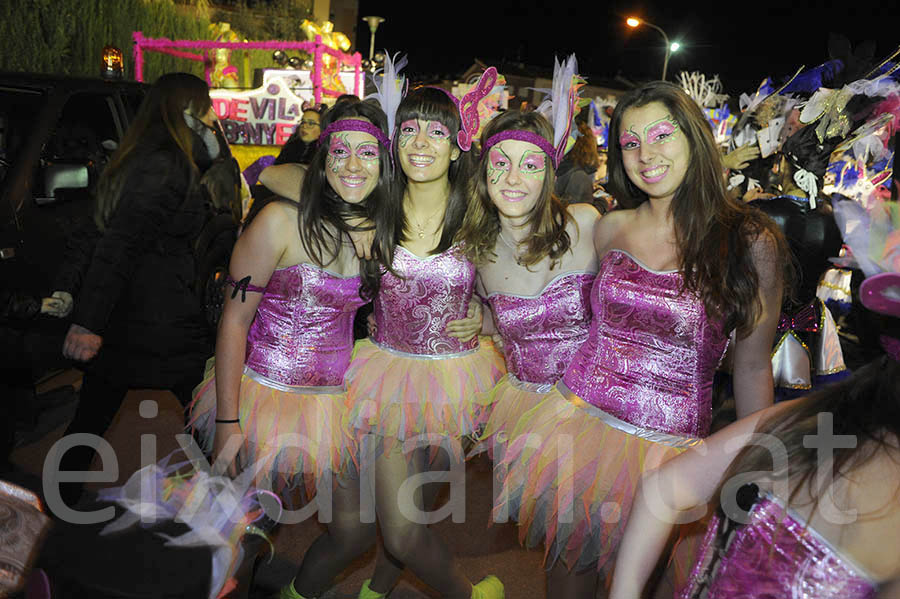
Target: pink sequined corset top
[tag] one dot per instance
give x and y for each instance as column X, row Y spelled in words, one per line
column 651, row 352
column 775, row 554
column 542, row 332
column 303, row 330
column 411, row 312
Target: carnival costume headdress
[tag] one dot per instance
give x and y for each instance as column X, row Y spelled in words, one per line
column 560, row 109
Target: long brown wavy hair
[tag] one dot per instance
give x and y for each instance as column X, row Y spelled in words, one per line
column 158, row 124
column 481, row 226
column 584, row 152
column 714, row 233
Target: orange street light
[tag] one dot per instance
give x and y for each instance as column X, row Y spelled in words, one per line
column 635, row 22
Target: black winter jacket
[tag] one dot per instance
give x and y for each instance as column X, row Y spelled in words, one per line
column 138, row 291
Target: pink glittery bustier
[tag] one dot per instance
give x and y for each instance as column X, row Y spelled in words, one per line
column 302, row 334
column 411, row 312
column 651, row 352
column 775, row 554
column 542, row 332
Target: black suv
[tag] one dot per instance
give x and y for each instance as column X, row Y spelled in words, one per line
column 56, row 135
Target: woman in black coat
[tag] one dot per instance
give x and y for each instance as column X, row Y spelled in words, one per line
column 138, row 323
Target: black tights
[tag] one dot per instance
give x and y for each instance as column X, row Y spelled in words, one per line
column 345, row 539
column 407, row 542
column 388, row 568
column 570, row 584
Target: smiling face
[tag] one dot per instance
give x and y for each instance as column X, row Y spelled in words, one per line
column 309, row 126
column 352, row 164
column 515, row 176
column 425, row 150
column 655, row 151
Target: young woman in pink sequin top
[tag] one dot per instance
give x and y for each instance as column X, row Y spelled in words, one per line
column 807, row 509
column 412, row 385
column 679, row 268
column 536, row 265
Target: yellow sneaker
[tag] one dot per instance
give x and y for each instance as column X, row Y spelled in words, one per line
column 490, row 587
column 289, row 592
column 367, row 593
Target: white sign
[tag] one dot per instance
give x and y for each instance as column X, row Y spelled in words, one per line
column 267, row 115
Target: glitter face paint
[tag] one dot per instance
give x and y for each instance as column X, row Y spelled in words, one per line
column 425, row 149
column 352, row 165
column 515, row 175
column 656, row 160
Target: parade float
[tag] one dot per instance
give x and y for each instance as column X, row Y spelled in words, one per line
column 257, row 120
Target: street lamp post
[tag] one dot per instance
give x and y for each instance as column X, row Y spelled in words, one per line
column 373, row 22
column 634, row 22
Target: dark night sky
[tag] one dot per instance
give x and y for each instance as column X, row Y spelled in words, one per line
column 743, row 46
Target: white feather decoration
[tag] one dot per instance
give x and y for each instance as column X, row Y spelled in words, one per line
column 391, row 86
column 559, row 108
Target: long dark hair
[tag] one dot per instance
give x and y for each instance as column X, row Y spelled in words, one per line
column 430, row 104
column 713, row 232
column 866, row 406
column 322, row 212
column 547, row 221
column 158, row 124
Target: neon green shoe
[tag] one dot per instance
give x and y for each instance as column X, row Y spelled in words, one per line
column 289, row 592
column 367, row 593
column 490, row 587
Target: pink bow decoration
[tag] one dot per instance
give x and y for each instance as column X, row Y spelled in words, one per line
column 468, row 108
column 804, row 319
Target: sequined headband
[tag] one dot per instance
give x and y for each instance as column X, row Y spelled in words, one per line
column 518, row 135
column 356, row 125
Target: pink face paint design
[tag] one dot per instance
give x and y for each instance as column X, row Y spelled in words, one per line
column 367, row 151
column 338, row 152
column 498, row 163
column 629, row 140
column 438, row 131
column 408, row 131
column 533, row 164
column 661, row 131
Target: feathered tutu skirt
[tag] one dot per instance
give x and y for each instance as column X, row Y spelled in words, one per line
column 293, row 436
column 569, row 473
column 404, row 397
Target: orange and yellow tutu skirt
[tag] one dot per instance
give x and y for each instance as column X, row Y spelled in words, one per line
column 569, row 472
column 403, row 397
column 505, row 405
column 293, row 435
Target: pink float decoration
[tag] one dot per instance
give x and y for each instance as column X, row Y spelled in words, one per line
column 316, row 48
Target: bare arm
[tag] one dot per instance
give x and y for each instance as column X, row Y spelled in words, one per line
column 754, row 386
column 256, row 255
column 670, row 495
column 284, row 179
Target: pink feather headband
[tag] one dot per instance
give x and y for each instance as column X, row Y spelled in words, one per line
column 518, row 135
column 356, row 125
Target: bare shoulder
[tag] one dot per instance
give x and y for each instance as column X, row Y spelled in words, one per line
column 585, row 215
column 276, row 218
column 611, row 225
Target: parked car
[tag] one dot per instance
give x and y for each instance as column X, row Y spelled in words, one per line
column 56, row 136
